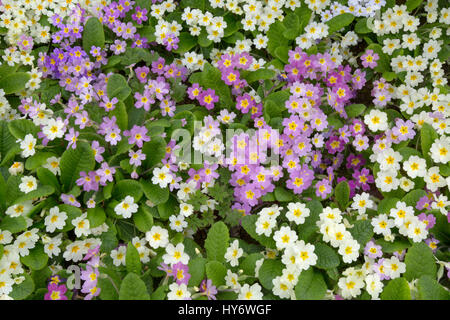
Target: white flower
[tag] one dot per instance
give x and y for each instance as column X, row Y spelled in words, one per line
column 126, row 207
column 76, row 250
column 417, row 231
column 7, row 283
column 161, row 176
column 406, row 184
column 28, row 184
column 51, row 248
column 81, row 225
column 177, row 223
column 338, row 234
column 54, row 129
column 389, row 159
column 434, row 180
column 376, row 120
column 248, row 292
column 55, row 220
column 349, row 250
column 361, row 202
column 19, row 209
column 16, row 168
column 394, row 267
column 400, row 212
column 186, row 209
column 374, row 286
column 157, row 237
column 264, row 225
column 175, row 254
column 52, row 164
column 27, row 145
column 284, row 237
column 282, row 287
column 299, row 255
column 415, row 167
column 382, row 224
column 118, row 255
column 231, row 280
column 178, row 292
column 350, row 286
column 440, row 150
column 5, row 237
column 297, row 212
column 441, row 203
column 387, row 180
column 234, row 253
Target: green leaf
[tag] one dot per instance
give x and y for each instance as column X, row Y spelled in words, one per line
column 13, row 225
column 133, row 288
column 46, row 177
column 310, row 286
column 216, row 271
column 276, row 38
column 391, row 247
column 127, row 187
column 154, row 192
column 37, row 258
column 427, row 136
column 154, row 150
column 203, row 39
column 41, row 191
column 120, row 112
column 24, row 289
column 73, row 161
column 187, row 42
column 107, row 289
column 260, row 74
column 412, row 197
column 361, row 26
column 72, row 213
column 143, row 220
column 15, row 82
column 19, row 128
column 197, row 270
column 283, row 195
column 216, row 242
column 93, row 34
column 354, row 110
column 117, row 87
column 167, row 208
column 383, row 63
column 362, row 232
column 282, row 53
column 132, row 260
column 37, row 160
column 339, row 22
column 396, row 289
column 419, row 261
column 7, row 141
column 326, row 257
column 269, row 270
column 96, row 216
column 430, row 289
column 386, row 205
column 412, row 4
column 249, row 263
column 342, row 193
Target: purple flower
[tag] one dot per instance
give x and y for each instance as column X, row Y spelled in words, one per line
column 72, row 137
column 140, row 15
column 56, row 292
column 432, row 243
column 323, row 188
column 141, row 73
column 369, row 59
column 70, row 200
column 98, row 150
column 207, row 98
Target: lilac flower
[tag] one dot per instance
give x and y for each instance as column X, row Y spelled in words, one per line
column 432, row 243
column 98, row 150
column 429, row 220
column 180, row 273
column 70, row 200
column 137, row 134
column 72, row 137
column 208, row 289
column 118, row 47
column 208, row 98
column 140, row 15
column 373, row 250
column 323, row 188
column 141, row 73
column 136, row 158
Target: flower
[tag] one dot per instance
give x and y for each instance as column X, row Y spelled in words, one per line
column 233, row 253
column 56, row 292
column 126, row 208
